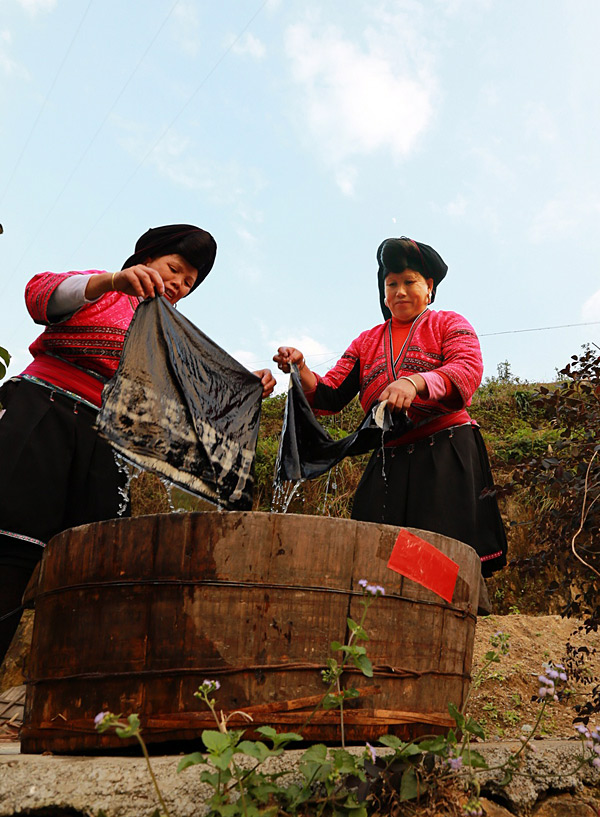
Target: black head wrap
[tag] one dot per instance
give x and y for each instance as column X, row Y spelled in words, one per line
column 195, row 245
column 398, row 254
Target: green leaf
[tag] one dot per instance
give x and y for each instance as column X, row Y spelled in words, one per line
column 191, row 760
column 344, row 762
column 409, row 787
column 457, row 716
column 475, row 728
column 255, row 749
column 475, row 760
column 331, row 701
column 285, row 737
column 335, row 646
column 223, row 759
column 4, row 355
column 364, row 665
column 357, row 630
column 392, row 741
column 269, row 732
column 436, row 745
column 215, row 741
column 317, row 753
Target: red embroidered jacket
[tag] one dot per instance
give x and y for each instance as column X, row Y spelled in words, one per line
column 82, row 352
column 437, row 341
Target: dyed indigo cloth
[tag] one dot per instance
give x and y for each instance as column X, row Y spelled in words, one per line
column 306, row 450
column 182, row 407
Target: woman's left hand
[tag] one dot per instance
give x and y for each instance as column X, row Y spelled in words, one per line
column 267, row 380
column 401, row 393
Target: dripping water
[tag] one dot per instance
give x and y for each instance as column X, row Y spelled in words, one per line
column 129, row 472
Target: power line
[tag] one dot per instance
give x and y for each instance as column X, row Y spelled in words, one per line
column 538, row 329
column 336, row 355
column 95, row 136
column 44, row 103
column 172, row 122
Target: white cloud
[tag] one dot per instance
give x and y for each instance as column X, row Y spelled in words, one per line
column 176, row 159
column 540, row 124
column 590, row 310
column 7, row 65
column 457, row 207
column 188, row 27
column 565, row 215
column 356, row 101
column 34, row 6
column 251, row 46
column 346, row 179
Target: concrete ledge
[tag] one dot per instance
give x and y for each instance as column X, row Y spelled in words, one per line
column 121, row 786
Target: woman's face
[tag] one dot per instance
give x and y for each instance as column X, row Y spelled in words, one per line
column 407, row 293
column 177, row 273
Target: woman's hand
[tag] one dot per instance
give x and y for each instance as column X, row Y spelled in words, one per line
column 140, row 281
column 401, row 393
column 267, row 380
column 286, row 355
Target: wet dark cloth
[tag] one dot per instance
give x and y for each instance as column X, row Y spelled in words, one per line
column 194, row 244
column 56, row 472
column 180, row 406
column 306, row 450
column 436, row 484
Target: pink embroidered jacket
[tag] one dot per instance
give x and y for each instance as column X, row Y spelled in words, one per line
column 442, row 342
column 82, row 352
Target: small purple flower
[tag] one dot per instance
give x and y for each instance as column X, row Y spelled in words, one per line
column 553, row 674
column 581, row 729
column 371, row 751
column 546, row 681
column 362, row 583
column 455, row 763
column 211, row 685
column 375, row 590
column 100, row 717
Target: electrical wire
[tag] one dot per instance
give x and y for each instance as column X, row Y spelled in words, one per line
column 44, row 103
column 94, row 137
column 172, row 122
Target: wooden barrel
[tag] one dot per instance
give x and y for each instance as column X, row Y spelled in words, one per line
column 133, row 614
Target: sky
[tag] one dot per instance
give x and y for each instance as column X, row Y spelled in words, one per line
column 301, row 134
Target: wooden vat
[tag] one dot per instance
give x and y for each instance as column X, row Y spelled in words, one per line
column 133, row 614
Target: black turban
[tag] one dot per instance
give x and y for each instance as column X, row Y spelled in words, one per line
column 195, row 245
column 398, row 254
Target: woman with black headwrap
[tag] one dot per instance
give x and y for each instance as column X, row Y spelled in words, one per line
column 56, row 471
column 435, row 476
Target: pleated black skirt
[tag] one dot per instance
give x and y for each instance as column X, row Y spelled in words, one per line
column 55, row 473
column 441, row 484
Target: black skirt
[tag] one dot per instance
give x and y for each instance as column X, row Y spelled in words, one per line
column 441, row 484
column 56, row 471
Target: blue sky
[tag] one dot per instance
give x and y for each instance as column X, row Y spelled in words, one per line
column 301, row 135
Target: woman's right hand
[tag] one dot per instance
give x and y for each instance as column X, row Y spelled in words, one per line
column 286, row 355
column 140, row 281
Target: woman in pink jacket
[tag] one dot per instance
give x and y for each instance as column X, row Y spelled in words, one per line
column 56, row 471
column 427, row 363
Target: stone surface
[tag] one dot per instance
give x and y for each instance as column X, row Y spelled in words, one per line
column 567, row 805
column 493, row 809
column 548, row 784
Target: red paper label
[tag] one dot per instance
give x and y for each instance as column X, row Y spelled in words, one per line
column 423, row 563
